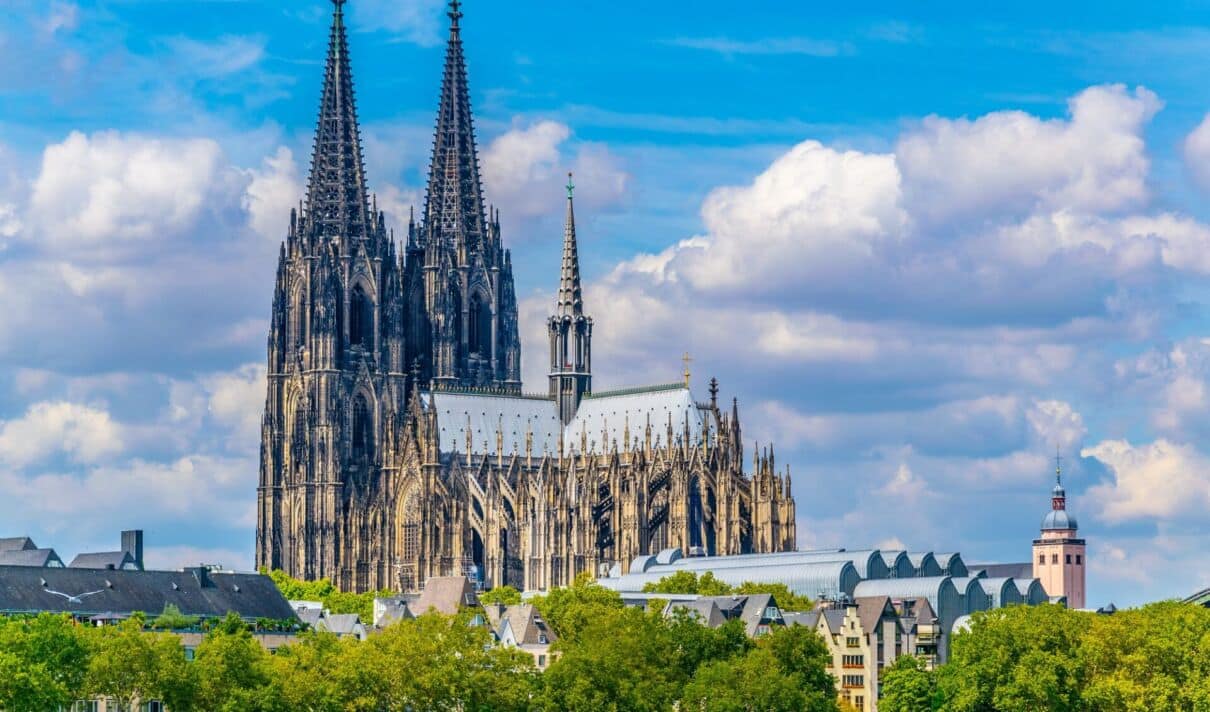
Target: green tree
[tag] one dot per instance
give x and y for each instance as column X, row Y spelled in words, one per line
column 233, row 671
column 54, row 654
column 128, row 664
column 908, row 686
column 750, row 683
column 690, row 583
column 1152, row 658
column 786, row 599
column 568, row 610
column 333, row 599
column 29, row 686
column 620, row 659
column 697, row 644
column 435, row 662
column 307, row 673
column 1016, row 659
column 172, row 619
column 506, row 595
column 800, row 653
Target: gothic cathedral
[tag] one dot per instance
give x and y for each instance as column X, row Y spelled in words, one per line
column 397, row 443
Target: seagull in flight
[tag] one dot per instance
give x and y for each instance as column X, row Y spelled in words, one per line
column 74, row 600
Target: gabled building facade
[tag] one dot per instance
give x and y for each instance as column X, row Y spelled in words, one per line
column 397, row 444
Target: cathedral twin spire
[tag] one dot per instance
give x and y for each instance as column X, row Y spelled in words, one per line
column 454, row 213
column 337, row 200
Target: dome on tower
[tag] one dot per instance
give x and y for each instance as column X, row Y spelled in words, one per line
column 1058, row 519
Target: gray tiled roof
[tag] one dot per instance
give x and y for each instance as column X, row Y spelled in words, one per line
column 17, row 543
column 195, row 593
column 446, row 594
column 29, row 557
column 342, row 623
column 804, row 618
column 103, row 560
column 601, row 417
column 527, row 625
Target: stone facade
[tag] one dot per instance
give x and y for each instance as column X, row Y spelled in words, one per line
column 397, row 444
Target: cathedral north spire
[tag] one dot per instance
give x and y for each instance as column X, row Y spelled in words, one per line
column 337, row 204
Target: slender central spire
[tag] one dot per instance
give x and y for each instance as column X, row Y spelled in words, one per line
column 571, row 301
column 454, row 212
column 337, row 204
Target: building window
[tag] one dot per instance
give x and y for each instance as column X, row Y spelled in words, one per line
column 852, row 642
column 361, row 319
column 1042, row 559
column 153, row 706
column 363, row 429
column 853, row 661
column 1069, row 558
column 541, row 661
column 86, row 706
column 1054, row 558
column 851, row 681
column 859, row 702
column 189, row 653
column 1079, row 559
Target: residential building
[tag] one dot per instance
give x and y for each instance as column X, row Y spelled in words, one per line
column 522, row 626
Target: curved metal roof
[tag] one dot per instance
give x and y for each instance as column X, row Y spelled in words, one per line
column 1031, row 591
column 925, row 563
column 942, row 594
column 973, row 595
column 1002, row 591
column 899, row 565
column 869, row 562
column 827, row 578
column 951, row 564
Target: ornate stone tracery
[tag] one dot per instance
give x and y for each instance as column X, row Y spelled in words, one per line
column 368, row 479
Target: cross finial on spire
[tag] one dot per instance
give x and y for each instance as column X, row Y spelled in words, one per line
column 455, row 11
column 571, row 186
column 338, row 4
column 687, row 359
column 1058, row 466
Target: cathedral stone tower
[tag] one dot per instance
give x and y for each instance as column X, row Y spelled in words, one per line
column 463, row 322
column 570, row 331
column 397, row 444
column 1059, row 552
column 336, row 345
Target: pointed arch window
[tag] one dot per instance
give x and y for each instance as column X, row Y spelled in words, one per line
column 480, row 331
column 363, row 429
column 361, row 318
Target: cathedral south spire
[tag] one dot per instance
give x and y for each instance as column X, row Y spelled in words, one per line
column 454, row 214
column 466, row 334
column 569, row 330
column 337, row 204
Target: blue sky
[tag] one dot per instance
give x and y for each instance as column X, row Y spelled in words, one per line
column 924, row 244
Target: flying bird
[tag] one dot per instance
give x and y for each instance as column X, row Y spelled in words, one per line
column 74, row 600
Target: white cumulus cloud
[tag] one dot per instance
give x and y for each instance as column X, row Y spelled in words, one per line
column 1197, row 153
column 108, row 189
column 86, row 434
column 1161, row 480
